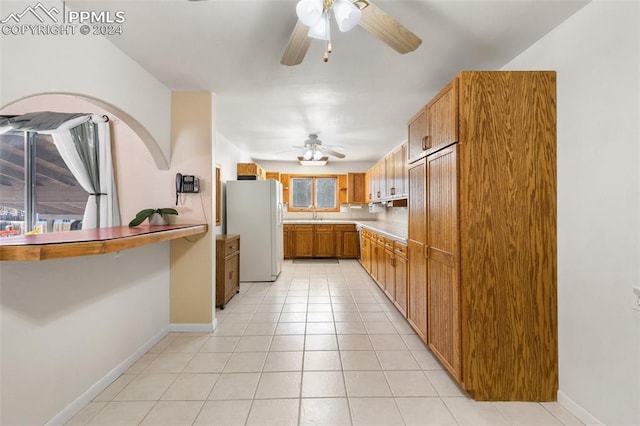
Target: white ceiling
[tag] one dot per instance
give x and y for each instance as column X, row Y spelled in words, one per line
column 360, row 100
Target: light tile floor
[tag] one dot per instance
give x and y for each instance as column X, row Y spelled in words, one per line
column 320, row 346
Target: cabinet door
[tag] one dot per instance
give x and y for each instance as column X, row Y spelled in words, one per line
column 400, row 171
column 356, row 188
column 350, row 246
column 232, row 275
column 366, row 251
column 417, row 283
column 374, row 258
column 380, row 263
column 303, row 240
column 382, row 179
column 442, row 258
column 285, row 179
column 324, row 244
column 288, row 241
column 390, row 175
column 390, row 274
column 443, row 117
column 343, row 189
column 417, row 289
column 400, row 270
column 418, row 131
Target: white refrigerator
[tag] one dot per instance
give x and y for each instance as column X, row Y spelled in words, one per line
column 255, row 212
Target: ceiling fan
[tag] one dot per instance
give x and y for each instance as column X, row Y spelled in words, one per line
column 314, row 22
column 315, row 151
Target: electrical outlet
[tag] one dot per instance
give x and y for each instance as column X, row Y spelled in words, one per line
column 636, row 298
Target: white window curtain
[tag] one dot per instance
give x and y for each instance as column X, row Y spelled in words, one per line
column 86, row 149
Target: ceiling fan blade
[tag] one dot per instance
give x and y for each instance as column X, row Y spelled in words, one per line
column 332, row 152
column 297, row 46
column 388, row 30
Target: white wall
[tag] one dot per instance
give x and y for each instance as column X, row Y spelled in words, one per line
column 227, row 156
column 596, row 55
column 67, row 323
column 88, row 65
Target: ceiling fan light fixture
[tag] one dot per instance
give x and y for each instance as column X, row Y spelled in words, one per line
column 322, row 162
column 347, row 14
column 308, row 154
column 317, row 155
column 309, row 11
column 319, row 29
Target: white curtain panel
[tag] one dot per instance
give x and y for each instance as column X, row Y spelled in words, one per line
column 109, row 211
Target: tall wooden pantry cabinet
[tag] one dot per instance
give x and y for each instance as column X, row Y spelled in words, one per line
column 487, row 280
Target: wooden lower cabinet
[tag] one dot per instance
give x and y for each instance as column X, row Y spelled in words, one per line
column 321, row 241
column 227, row 268
column 373, row 271
column 417, row 289
column 400, row 271
column 347, row 244
column 289, row 243
column 389, row 270
column 303, row 241
column 365, row 256
column 386, row 261
column 324, row 241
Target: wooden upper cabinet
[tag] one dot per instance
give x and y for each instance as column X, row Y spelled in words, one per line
column 400, row 171
column 367, row 186
column 285, row 179
column 273, row 175
column 357, row 190
column 418, row 132
column 389, row 181
column 442, row 113
column 343, row 189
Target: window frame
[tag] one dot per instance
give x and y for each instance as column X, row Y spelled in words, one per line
column 313, row 207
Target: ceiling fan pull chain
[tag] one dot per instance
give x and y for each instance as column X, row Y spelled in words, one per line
column 327, row 38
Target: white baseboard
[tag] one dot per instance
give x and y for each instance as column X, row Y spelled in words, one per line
column 193, row 327
column 70, row 410
column 577, row 410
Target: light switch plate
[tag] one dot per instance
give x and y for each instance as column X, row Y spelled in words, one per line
column 636, row 298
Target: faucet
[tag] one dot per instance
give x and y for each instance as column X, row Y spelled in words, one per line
column 314, row 213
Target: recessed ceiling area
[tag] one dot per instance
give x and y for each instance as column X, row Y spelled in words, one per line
column 361, row 99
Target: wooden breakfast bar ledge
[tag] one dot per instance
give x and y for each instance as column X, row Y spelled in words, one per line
column 87, row 242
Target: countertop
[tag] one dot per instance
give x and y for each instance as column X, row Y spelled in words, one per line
column 386, row 229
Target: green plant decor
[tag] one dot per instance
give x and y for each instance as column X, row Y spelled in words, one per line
column 144, row 214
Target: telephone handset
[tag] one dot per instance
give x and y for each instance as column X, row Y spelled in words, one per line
column 186, row 184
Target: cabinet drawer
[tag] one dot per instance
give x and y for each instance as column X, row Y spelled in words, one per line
column 344, row 227
column 388, row 244
column 231, row 246
column 288, row 228
column 303, row 227
column 325, row 228
column 400, row 249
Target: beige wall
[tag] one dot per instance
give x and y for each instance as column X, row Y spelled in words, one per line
column 192, row 261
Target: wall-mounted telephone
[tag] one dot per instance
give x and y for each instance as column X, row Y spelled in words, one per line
column 186, row 184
